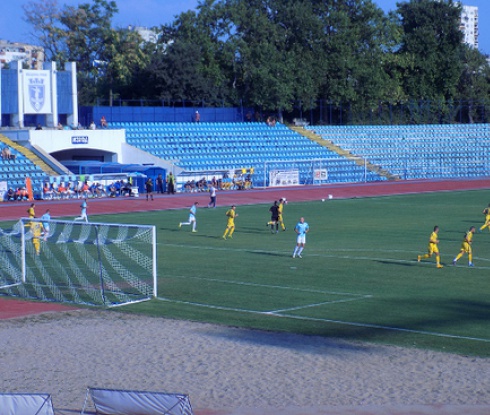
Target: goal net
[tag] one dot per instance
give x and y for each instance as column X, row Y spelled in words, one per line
column 77, row 262
column 279, row 173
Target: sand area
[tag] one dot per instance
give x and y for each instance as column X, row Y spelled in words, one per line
column 231, row 370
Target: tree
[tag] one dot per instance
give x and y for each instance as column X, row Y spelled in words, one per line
column 474, row 84
column 45, row 20
column 432, row 44
column 105, row 57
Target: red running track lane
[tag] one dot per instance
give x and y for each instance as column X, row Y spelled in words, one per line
column 10, row 308
column 71, row 208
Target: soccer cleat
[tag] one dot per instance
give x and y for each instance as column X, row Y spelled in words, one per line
column 294, row 256
column 299, row 256
column 479, row 230
column 454, row 262
column 194, row 231
column 440, row 266
column 471, row 264
column 180, row 225
column 418, row 258
column 224, row 237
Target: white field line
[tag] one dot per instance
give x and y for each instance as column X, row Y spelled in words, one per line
column 324, row 320
column 354, row 297
column 326, row 255
column 348, row 323
column 346, row 300
column 282, row 287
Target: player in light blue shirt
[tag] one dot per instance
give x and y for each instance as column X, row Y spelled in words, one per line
column 192, row 217
column 46, row 218
column 301, row 229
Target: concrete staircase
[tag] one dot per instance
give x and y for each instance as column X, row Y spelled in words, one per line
column 38, row 161
column 343, row 153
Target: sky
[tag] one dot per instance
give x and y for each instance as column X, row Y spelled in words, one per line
column 149, row 13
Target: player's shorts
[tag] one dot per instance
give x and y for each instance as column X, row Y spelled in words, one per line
column 192, row 218
column 301, row 239
column 433, row 249
column 231, row 222
column 466, row 247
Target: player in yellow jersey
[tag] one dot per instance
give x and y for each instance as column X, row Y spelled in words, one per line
column 280, row 219
column 486, row 212
column 433, row 248
column 36, row 230
column 230, row 226
column 466, row 247
column 31, row 212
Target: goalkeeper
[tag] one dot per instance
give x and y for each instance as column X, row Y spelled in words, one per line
column 433, row 248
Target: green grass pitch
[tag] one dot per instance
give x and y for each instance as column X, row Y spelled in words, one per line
column 359, row 278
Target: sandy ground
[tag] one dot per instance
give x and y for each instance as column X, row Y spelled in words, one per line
column 230, row 370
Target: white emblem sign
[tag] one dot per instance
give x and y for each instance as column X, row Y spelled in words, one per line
column 37, row 92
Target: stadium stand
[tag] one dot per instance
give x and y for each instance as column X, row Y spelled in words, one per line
column 416, row 151
column 224, row 147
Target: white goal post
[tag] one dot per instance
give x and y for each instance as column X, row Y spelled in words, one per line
column 295, row 172
column 77, row 262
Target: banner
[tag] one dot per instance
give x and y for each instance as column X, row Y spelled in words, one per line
column 320, row 175
column 279, row 178
column 37, row 92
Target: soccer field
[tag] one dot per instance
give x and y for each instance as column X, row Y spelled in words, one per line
column 358, row 279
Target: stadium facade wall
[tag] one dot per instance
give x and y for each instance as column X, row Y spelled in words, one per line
column 31, row 97
column 159, row 114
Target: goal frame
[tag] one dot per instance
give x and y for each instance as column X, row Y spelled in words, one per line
column 145, row 261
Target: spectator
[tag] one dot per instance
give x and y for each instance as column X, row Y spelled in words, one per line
column 85, row 190
column 62, row 191
column 112, row 190
column 159, row 184
column 126, row 188
column 202, row 185
column 47, row 193
column 103, row 122
column 60, row 126
column 197, row 117
column 54, row 190
column 6, row 154
column 100, row 189
column 70, row 190
column 11, row 195
column 93, row 189
column 39, row 127
column 92, row 126
column 170, row 183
